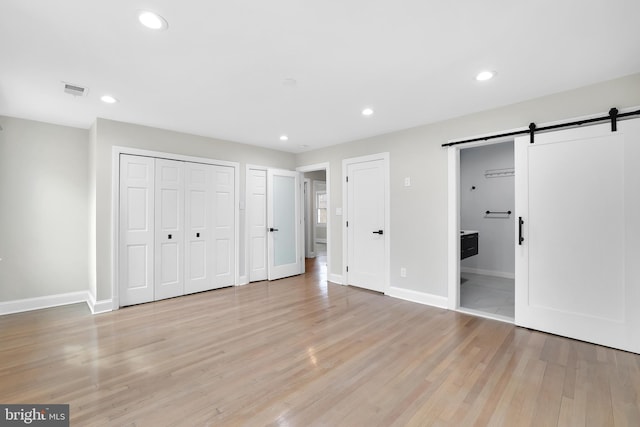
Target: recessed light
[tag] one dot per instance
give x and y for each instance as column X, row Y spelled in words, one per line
column 485, row 75
column 367, row 112
column 152, row 20
column 284, row 138
column 108, row 99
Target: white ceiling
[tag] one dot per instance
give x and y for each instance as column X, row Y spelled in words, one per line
column 219, row 69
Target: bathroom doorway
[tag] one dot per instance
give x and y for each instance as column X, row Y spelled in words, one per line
column 487, row 230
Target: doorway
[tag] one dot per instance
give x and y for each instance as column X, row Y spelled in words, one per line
column 316, row 215
column 315, row 219
column 485, row 262
column 487, row 212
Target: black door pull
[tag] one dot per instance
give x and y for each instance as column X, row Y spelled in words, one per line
column 520, row 238
column 273, row 229
column 379, row 232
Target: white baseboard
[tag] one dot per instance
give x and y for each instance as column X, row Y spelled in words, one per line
column 98, row 307
column 487, row 272
column 335, row 278
column 243, row 280
column 38, row 303
column 419, row 297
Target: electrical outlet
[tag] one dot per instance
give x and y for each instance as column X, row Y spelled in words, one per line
column 403, row 272
column 407, row 181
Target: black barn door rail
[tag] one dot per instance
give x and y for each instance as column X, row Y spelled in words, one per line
column 613, row 117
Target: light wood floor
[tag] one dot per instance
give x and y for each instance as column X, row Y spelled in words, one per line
column 301, row 352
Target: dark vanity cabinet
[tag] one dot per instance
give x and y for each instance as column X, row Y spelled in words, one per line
column 468, row 245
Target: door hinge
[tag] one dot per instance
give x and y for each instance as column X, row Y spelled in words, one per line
column 347, row 268
column 347, row 223
column 347, row 179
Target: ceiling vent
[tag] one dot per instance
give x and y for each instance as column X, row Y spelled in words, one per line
column 75, row 90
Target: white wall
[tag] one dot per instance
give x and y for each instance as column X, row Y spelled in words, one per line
column 44, row 209
column 496, row 232
column 419, row 212
column 111, row 133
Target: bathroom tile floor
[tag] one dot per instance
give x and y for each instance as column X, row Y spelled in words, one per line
column 489, row 294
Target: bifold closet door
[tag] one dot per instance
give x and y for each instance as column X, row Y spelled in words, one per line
column 199, row 270
column 177, row 228
column 136, row 252
column 224, row 220
column 169, row 229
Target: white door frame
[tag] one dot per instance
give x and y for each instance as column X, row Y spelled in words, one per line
column 387, row 216
column 326, row 166
column 116, row 151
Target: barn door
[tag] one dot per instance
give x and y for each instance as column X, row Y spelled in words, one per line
column 578, row 209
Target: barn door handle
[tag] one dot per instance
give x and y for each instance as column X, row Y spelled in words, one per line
column 379, row 232
column 520, row 238
column 273, row 229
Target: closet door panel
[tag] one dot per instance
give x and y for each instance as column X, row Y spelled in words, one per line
column 224, row 203
column 199, row 228
column 169, row 212
column 136, row 236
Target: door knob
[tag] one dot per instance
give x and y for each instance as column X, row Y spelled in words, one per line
column 379, row 232
column 273, row 229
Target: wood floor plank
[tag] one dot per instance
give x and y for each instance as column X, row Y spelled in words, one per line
column 304, row 352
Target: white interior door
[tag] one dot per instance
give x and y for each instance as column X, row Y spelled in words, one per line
column 136, row 246
column 169, row 229
column 199, row 240
column 257, row 223
column 578, row 194
column 224, row 220
column 366, row 199
column 283, row 218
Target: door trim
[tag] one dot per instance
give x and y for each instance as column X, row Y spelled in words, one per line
column 116, row 151
column 387, row 216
